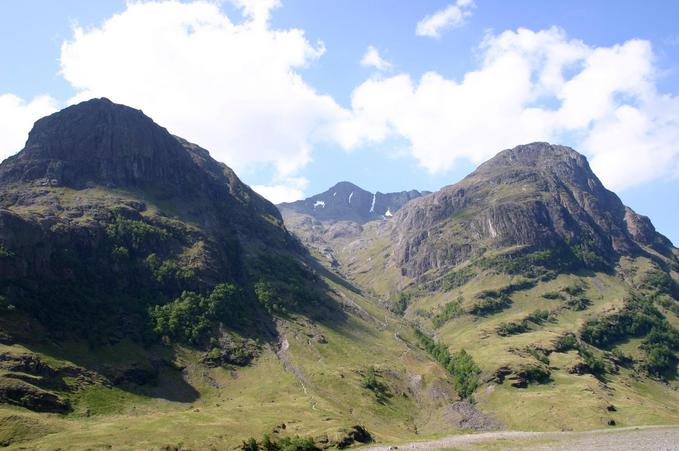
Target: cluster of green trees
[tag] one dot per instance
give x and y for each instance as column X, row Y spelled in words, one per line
column 401, row 304
column 284, row 285
column 460, row 365
column 658, row 283
column 638, row 318
column 490, row 304
column 450, row 310
column 190, row 317
column 295, row 443
column 546, row 264
column 456, row 279
column 134, row 234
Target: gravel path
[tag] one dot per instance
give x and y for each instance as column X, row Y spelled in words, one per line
column 636, row 438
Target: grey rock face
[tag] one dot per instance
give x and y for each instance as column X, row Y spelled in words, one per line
column 348, row 202
column 105, row 145
column 537, row 195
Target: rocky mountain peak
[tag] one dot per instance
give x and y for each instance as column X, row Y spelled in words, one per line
column 346, row 201
column 539, row 196
column 98, row 142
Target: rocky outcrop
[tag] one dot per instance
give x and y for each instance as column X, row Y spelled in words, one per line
column 103, row 204
column 348, row 202
column 539, row 196
column 21, row 393
column 98, row 143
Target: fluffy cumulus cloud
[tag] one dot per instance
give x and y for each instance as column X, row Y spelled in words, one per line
column 372, row 58
column 286, row 190
column 16, row 120
column 233, row 88
column 530, row 86
column 452, row 16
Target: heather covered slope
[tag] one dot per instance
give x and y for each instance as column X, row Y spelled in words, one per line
column 566, row 300
column 150, row 298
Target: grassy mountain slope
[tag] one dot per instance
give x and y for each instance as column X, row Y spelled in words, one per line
column 149, row 298
column 572, row 327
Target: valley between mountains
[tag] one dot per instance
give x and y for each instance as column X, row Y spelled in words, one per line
column 149, row 299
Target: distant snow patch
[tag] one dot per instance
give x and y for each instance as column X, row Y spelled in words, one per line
column 388, row 214
column 350, row 196
column 334, row 194
column 372, row 206
column 319, row 203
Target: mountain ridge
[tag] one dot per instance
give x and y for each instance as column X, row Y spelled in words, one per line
column 349, row 202
column 144, row 287
column 536, row 195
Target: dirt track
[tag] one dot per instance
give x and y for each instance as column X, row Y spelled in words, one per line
column 636, row 438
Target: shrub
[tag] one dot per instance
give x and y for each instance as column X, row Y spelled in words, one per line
column 551, row 295
column 371, row 382
column 456, row 279
column 295, row 443
column 596, row 364
column 450, row 310
column 489, row 305
column 565, row 343
column 512, row 328
column 401, row 303
column 578, row 303
column 538, row 354
column 539, row 316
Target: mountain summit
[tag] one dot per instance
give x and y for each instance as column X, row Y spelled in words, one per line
column 348, row 202
column 539, row 196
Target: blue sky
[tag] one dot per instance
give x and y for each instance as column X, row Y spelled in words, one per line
column 247, row 110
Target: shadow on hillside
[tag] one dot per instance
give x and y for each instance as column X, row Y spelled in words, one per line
column 150, row 371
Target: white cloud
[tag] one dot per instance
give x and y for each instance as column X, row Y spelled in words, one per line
column 257, row 10
column 372, row 58
column 235, row 89
column 452, row 16
column 530, row 86
column 287, row 190
column 16, row 120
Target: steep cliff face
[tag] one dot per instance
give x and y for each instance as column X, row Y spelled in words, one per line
column 103, row 203
column 348, row 202
column 538, row 196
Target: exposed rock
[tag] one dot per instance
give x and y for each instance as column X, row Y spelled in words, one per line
column 469, row 417
column 348, row 202
column 580, row 369
column 63, row 233
column 539, row 195
column 231, row 351
column 357, row 434
column 520, row 375
column 21, row 393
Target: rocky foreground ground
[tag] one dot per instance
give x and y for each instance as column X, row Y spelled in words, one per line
column 637, row 438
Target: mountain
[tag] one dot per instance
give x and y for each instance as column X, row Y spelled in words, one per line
column 149, row 298
column 348, row 202
column 565, row 300
column 538, row 196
